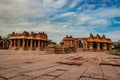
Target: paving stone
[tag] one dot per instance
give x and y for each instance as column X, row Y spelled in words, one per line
column 94, row 71
column 16, row 65
column 46, row 71
column 37, row 68
column 44, row 78
column 70, row 62
column 6, row 71
column 73, row 74
column 110, row 73
column 86, row 78
column 56, row 73
column 117, row 69
column 2, row 68
column 10, row 75
column 21, row 78
column 2, row 78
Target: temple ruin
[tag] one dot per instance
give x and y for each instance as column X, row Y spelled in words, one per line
column 91, row 43
column 4, row 44
column 39, row 41
column 28, row 41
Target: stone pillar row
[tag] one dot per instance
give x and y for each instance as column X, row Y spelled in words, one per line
column 16, row 43
column 104, row 46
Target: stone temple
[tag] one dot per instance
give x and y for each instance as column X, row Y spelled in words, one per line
column 28, row 41
column 91, row 43
column 40, row 41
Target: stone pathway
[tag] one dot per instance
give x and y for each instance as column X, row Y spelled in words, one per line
column 37, row 65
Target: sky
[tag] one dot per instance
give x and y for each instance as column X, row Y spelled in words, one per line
column 59, row 18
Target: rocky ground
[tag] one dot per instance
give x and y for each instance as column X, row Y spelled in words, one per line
column 37, row 65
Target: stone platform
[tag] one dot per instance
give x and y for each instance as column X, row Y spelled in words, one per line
column 37, row 65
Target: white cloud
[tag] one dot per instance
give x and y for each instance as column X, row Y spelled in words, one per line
column 74, row 3
column 114, row 35
column 67, row 14
column 64, row 26
column 107, row 12
column 86, row 19
column 20, row 15
column 54, row 4
column 101, row 22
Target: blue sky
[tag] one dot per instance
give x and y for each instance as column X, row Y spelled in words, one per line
column 61, row 17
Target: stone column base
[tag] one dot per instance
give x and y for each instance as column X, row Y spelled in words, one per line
column 104, row 50
column 98, row 50
column 38, row 49
column 91, row 50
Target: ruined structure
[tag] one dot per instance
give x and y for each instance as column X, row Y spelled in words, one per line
column 4, row 44
column 70, row 42
column 28, row 41
column 91, row 43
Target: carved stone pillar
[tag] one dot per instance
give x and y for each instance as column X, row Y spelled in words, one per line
column 90, row 45
column 38, row 44
column 71, row 43
column 85, row 45
column 14, row 43
column 110, row 46
column 18, row 43
column 98, row 46
column 42, row 44
column 23, row 45
column 10, row 46
column 31, row 41
column 104, row 46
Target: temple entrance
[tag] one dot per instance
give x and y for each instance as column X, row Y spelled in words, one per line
column 80, row 43
column 21, row 42
column 108, row 47
column 28, row 43
column 33, row 43
column 36, row 43
column 25, row 43
column 94, row 45
column 16, row 41
column 101, row 46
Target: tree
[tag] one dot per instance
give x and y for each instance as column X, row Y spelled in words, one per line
column 116, row 45
column 5, row 38
column 51, row 42
column 0, row 37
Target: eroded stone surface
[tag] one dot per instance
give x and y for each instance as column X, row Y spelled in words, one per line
column 36, row 65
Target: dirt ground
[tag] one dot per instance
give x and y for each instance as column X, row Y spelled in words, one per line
column 38, row 65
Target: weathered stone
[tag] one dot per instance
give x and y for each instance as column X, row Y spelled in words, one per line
column 110, row 73
column 21, row 78
column 94, row 71
column 91, row 43
column 44, row 78
column 28, row 41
